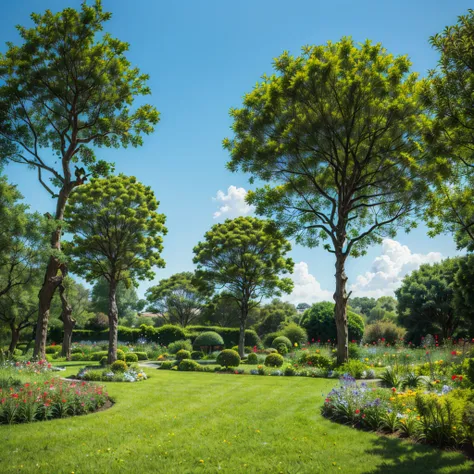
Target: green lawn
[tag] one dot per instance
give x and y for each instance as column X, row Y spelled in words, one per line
column 233, row 423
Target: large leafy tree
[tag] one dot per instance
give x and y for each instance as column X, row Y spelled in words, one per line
column 19, row 309
column 117, row 235
column 448, row 93
column 66, row 90
column 244, row 258
column 274, row 315
column 335, row 134
column 362, row 304
column 178, row 298
column 426, row 301
column 22, row 243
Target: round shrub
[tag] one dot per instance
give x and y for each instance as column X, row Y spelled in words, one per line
column 270, row 350
column 316, row 360
column 268, row 338
column 235, row 348
column 104, row 361
column 183, row 354
column 52, row 349
column 228, row 358
column 289, row 371
column 282, row 340
column 141, row 355
column 383, row 330
column 188, row 365
column 252, row 359
column 120, row 354
column 282, row 349
column 196, row 355
column 320, row 324
column 119, row 366
column 208, row 339
column 274, row 360
column 76, row 357
column 98, row 355
column 131, row 357
column 176, row 346
column 296, row 334
column 167, row 365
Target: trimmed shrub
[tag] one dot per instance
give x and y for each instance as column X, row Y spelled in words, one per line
column 296, row 334
column 316, row 360
column 76, row 350
column 228, row 358
column 208, row 339
column 98, row 355
column 120, row 354
column 167, row 365
column 141, row 355
column 383, row 330
column 268, row 338
column 76, row 357
column 196, row 355
column 52, row 349
column 119, row 366
column 252, row 359
column 183, row 354
column 274, row 360
column 131, row 357
column 269, row 350
column 282, row 340
column 176, row 346
column 282, row 349
column 230, row 336
column 289, row 371
column 168, row 333
column 188, row 365
column 104, row 361
column 320, row 324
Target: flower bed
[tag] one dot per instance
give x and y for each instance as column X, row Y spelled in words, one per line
column 107, row 375
column 438, row 416
column 54, row 398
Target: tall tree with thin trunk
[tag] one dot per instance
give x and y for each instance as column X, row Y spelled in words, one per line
column 244, row 258
column 65, row 91
column 335, row 133
column 117, row 235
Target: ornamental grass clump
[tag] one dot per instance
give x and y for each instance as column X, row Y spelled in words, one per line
column 54, row 398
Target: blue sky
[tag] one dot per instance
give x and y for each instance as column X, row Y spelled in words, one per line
column 202, row 57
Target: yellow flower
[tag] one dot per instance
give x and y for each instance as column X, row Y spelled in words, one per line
column 366, row 359
column 201, row 461
column 296, row 344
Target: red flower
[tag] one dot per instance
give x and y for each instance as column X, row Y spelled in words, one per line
column 357, row 411
column 363, row 416
column 460, row 378
column 327, row 400
column 14, row 395
column 454, row 377
column 394, row 389
column 312, row 340
column 453, row 353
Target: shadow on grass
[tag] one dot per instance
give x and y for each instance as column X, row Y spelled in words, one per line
column 403, row 456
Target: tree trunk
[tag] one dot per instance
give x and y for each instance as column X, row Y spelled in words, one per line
column 340, row 309
column 15, row 338
column 52, row 279
column 113, row 321
column 69, row 323
column 243, row 320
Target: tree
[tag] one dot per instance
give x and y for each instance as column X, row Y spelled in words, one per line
column 385, row 309
column 362, row 305
column 67, row 89
column 178, row 298
column 335, row 133
column 448, row 94
column 19, row 309
column 117, row 235
column 244, row 258
column 74, row 298
column 301, row 307
column 128, row 303
column 426, row 301
column 22, row 246
column 464, row 292
column 274, row 315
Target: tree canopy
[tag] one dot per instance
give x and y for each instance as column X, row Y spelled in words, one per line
column 245, row 258
column 336, row 134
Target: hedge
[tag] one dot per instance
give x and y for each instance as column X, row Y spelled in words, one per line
column 229, row 335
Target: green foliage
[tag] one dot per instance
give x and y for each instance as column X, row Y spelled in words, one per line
column 391, row 377
column 289, row 371
column 320, row 324
column 99, row 355
column 174, row 347
column 183, row 354
column 104, row 361
column 120, row 354
column 268, row 338
column 131, row 357
column 252, row 359
column 52, row 349
column 383, row 330
column 353, row 367
column 118, row 366
column 426, row 301
column 362, row 305
column 189, row 365
column 282, row 340
column 141, row 355
column 208, row 339
column 229, row 335
column 178, row 297
column 274, row 360
column 295, row 333
column 76, row 357
column 228, row 358
column 167, row 365
column 470, row 369
column 282, row 349
column 315, row 360
column 274, row 315
column 197, row 355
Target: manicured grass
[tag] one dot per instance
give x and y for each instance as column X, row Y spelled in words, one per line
column 182, row 422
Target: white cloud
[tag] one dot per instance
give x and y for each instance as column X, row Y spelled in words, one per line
column 388, row 269
column 307, row 289
column 233, row 203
